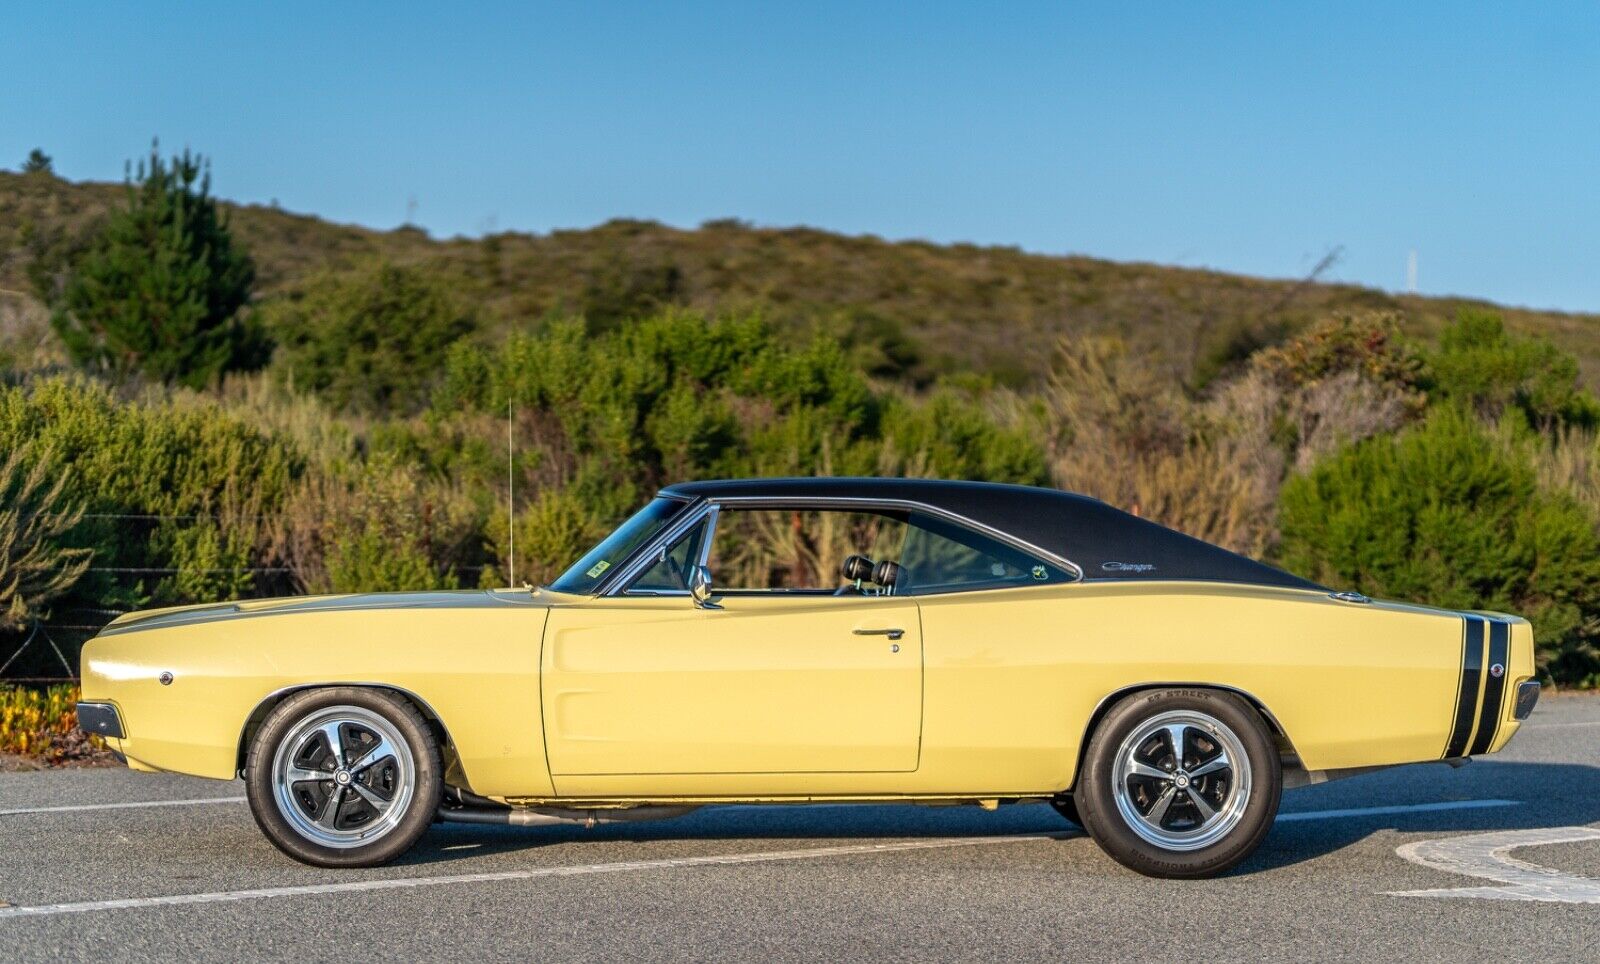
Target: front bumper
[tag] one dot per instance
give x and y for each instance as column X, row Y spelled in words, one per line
column 101, row 719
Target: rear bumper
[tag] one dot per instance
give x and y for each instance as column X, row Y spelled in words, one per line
column 100, row 719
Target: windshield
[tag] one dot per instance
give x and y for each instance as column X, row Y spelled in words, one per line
column 587, row 572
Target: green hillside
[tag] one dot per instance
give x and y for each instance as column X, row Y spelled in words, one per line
column 348, row 431
column 913, row 308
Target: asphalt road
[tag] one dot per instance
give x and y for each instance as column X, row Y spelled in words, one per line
column 173, row 879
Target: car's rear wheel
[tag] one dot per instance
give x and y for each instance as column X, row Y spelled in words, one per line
column 1180, row 783
column 344, row 776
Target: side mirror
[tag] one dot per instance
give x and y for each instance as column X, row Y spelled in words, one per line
column 700, row 587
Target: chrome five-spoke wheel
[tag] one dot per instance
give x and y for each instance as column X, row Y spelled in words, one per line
column 343, row 777
column 1182, row 780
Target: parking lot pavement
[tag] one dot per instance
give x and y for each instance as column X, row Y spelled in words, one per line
column 177, row 869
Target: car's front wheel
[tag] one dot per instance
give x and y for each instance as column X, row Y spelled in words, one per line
column 344, row 776
column 1180, row 783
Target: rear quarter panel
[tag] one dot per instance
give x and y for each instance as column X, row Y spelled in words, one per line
column 476, row 669
column 1013, row 677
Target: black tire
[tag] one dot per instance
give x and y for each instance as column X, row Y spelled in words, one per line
column 344, row 809
column 1067, row 807
column 1133, row 744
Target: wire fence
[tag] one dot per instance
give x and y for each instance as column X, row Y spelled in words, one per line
column 38, row 629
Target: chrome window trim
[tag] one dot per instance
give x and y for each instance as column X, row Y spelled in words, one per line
column 617, row 586
column 647, row 556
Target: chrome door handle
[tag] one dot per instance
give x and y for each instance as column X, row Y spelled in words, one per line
column 891, row 633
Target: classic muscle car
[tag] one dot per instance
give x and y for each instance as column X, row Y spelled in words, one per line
column 798, row 640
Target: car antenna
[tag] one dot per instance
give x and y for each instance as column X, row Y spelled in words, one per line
column 511, row 493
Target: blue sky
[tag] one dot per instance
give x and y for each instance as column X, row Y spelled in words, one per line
column 1244, row 137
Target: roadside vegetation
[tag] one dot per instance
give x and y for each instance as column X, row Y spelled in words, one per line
column 41, row 725
column 200, row 402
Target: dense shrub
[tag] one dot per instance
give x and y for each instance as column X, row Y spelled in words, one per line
column 159, row 287
column 1369, row 344
column 1444, row 515
column 1482, row 366
column 174, row 490
column 678, row 396
column 36, row 564
column 370, row 337
column 376, row 525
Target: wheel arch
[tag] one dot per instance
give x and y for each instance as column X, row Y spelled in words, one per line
column 272, row 700
column 1286, row 751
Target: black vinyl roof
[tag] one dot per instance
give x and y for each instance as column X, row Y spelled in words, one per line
column 1105, row 542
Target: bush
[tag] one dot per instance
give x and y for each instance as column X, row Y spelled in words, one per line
column 554, row 530
column 603, row 419
column 36, row 564
column 160, row 286
column 43, row 723
column 1444, row 515
column 375, row 526
column 1123, row 434
column 1368, row 345
column 1481, row 366
column 174, row 490
column 371, row 338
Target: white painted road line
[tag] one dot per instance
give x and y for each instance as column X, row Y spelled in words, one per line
column 1398, row 809
column 570, row 870
column 1557, row 726
column 134, row 805
column 1485, row 856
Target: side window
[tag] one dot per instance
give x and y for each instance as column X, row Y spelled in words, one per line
column 798, row 550
column 942, row 556
column 670, row 573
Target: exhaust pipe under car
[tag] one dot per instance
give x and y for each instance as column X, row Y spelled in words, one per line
column 460, row 806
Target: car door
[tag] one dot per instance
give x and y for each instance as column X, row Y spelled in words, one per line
column 772, row 680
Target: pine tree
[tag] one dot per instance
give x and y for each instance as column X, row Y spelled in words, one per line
column 38, row 162
column 161, row 287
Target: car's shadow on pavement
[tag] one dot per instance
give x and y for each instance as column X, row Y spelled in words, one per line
column 1538, row 794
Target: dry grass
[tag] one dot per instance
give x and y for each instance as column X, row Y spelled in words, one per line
column 1123, row 435
column 1209, row 467
column 1566, row 461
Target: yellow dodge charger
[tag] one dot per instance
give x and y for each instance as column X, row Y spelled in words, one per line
column 809, row 640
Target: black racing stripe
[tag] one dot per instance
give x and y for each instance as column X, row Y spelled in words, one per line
column 1467, row 701
column 1494, row 691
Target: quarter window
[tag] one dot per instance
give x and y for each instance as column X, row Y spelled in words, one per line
column 670, row 573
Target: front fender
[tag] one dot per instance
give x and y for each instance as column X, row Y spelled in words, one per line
column 475, row 669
